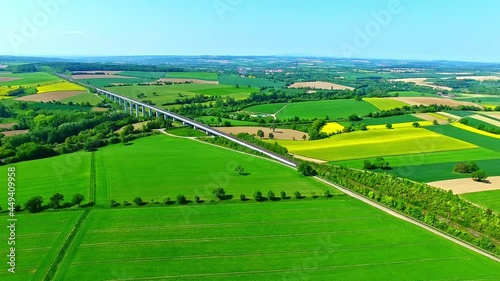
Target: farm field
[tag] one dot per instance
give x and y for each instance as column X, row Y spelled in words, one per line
column 143, row 74
column 186, row 132
column 265, row 241
column 105, row 82
column 67, row 174
column 39, row 237
column 401, row 161
column 434, row 100
column 320, row 85
column 212, row 121
column 269, row 108
column 252, row 82
column 334, row 109
column 386, row 120
column 61, row 86
column 410, row 94
column 83, row 98
column 193, row 75
column 181, row 166
column 468, row 136
column 488, row 199
column 385, row 103
column 29, row 79
column 474, row 130
column 443, row 171
column 278, row 133
column 373, row 143
column 399, row 125
column 50, row 96
column 169, row 93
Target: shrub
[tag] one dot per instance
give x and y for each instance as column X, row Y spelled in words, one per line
column 197, row 199
column 297, row 195
column 243, row 197
column 271, row 195
column 34, row 204
column 306, row 169
column 479, row 175
column 138, row 201
column 181, row 199
column 283, row 195
column 258, row 196
column 167, row 200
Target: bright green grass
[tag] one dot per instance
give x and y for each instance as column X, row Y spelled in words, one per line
column 102, row 82
column 410, row 94
column 475, row 123
column 30, row 79
column 488, row 199
column 373, row 143
column 67, row 174
column 85, row 97
column 461, row 113
column 211, row 76
column 181, row 166
column 210, row 120
column 443, row 171
column 332, row 108
column 143, row 74
column 486, row 100
column 428, row 158
column 252, row 82
column 323, row 239
column 39, row 237
column 169, row 93
column 269, row 108
column 385, row 120
column 186, row 132
column 385, row 103
column 477, row 139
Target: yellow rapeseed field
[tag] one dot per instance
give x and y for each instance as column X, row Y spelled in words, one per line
column 373, row 143
column 474, row 130
column 332, row 127
column 61, row 86
column 385, row 103
column 399, row 125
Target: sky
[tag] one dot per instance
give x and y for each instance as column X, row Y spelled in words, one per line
column 396, row 29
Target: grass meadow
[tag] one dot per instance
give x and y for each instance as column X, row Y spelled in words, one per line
column 269, row 108
column 210, row 76
column 320, row 239
column 488, row 199
column 247, row 81
column 334, row 109
column 179, row 166
column 91, row 98
column 29, row 79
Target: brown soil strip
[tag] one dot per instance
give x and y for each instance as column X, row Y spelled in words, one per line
column 320, row 85
column 182, row 80
column 51, row 96
column 467, row 185
column 428, row 117
column 279, row 134
column 7, row 79
column 431, row 100
column 96, row 76
column 15, row 132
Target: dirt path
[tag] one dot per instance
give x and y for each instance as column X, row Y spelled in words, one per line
column 467, row 185
column 428, row 117
column 433, row 100
column 449, row 115
column 276, row 113
column 314, row 160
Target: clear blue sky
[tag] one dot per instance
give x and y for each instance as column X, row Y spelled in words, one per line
column 418, row 29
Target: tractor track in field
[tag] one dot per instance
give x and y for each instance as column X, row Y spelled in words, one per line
column 65, row 247
column 92, row 179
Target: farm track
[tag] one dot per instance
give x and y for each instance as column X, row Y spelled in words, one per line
column 65, row 247
column 92, row 181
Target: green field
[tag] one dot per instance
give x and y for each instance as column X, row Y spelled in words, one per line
column 269, row 108
column 143, row 74
column 186, row 132
column 373, row 143
column 475, row 123
column 385, row 120
column 410, row 94
column 252, row 82
column 29, row 79
column 477, row 139
column 385, row 103
column 211, row 76
column 488, row 199
column 443, row 171
column 85, row 97
column 169, row 93
column 67, row 174
column 212, row 121
column 102, row 82
column 319, row 239
column 334, row 109
column 181, row 166
column 39, row 238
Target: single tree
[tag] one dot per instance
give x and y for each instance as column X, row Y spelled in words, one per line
column 363, row 127
column 304, row 137
column 181, row 199
column 416, row 124
column 297, row 195
column 271, row 195
column 258, row 196
column 239, row 170
column 55, row 200
column 243, row 197
column 271, row 136
column 306, row 169
column 167, row 200
column 77, row 199
column 219, row 193
column 260, row 133
column 388, row 126
column 435, row 122
column 197, row 199
column 327, row 193
column 34, row 204
column 283, row 195
column 479, row 175
column 138, row 201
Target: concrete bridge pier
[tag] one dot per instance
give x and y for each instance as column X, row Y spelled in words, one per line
column 143, row 115
column 130, row 107
column 150, row 112
column 136, row 110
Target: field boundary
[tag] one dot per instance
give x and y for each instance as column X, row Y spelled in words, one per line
column 64, row 248
column 92, row 180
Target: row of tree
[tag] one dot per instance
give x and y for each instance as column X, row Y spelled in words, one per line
column 35, row 204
